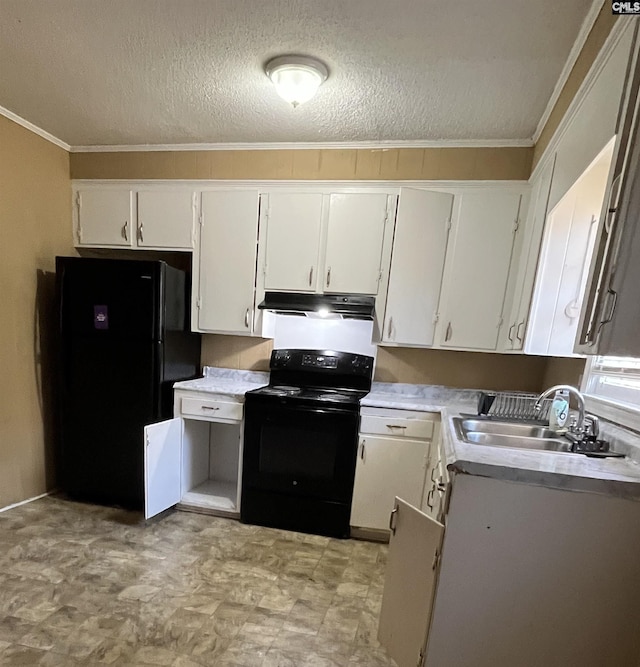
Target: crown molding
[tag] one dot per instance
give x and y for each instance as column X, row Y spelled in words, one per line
column 576, row 49
column 330, row 145
column 614, row 37
column 34, row 128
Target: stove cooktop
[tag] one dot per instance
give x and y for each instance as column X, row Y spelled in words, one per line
column 312, row 394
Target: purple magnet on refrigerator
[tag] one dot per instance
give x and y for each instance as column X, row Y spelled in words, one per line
column 101, row 317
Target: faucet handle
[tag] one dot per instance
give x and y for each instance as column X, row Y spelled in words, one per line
column 592, row 426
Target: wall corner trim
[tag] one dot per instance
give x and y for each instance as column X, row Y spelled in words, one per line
column 576, row 49
column 34, row 128
column 614, row 37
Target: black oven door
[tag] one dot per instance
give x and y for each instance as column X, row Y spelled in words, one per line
column 300, row 451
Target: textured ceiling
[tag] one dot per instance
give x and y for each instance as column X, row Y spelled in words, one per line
column 96, row 72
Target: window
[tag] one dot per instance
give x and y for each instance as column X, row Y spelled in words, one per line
column 612, row 388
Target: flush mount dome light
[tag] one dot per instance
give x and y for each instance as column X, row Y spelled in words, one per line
column 296, row 78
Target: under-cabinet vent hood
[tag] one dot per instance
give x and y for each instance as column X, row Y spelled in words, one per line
column 321, row 305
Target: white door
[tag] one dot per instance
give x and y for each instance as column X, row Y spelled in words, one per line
column 477, row 269
column 386, row 468
column 227, row 261
column 162, row 461
column 292, row 241
column 354, row 243
column 165, row 219
column 105, row 217
column 409, row 584
column 419, row 248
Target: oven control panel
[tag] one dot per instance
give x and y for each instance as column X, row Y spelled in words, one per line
column 319, row 361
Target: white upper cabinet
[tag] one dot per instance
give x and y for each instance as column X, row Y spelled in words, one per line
column 354, row 243
column 104, row 217
column 323, row 242
column 419, row 248
column 533, row 213
column 567, row 249
column 292, row 241
column 477, row 269
column 155, row 218
column 225, row 262
column 165, row 219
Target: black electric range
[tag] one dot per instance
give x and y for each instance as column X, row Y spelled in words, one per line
column 301, row 440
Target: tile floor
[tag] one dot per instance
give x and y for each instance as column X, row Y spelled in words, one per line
column 88, row 585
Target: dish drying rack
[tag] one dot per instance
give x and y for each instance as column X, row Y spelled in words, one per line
column 516, row 405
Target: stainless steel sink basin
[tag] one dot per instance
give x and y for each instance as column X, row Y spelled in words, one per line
column 509, row 434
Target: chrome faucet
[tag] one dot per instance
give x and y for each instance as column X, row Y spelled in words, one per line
column 577, row 428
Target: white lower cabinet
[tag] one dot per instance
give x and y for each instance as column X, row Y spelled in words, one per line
column 393, row 455
column 194, row 459
column 512, row 575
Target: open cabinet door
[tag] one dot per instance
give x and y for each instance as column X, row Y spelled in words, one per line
column 162, row 459
column 409, row 586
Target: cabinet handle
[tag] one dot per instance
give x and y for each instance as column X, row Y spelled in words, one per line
column 208, row 407
column 510, row 334
column 140, row 236
column 518, row 336
column 246, row 319
column 430, row 499
column 396, row 426
column 448, row 333
column 362, row 450
column 614, row 302
column 442, row 486
column 328, row 276
column 310, row 276
column 435, row 467
column 390, row 327
column 392, row 520
column 125, row 233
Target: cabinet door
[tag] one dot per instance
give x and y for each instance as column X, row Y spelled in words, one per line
column 354, row 243
column 105, row 217
column 162, row 461
column 165, row 219
column 419, row 247
column 409, row 584
column 477, row 269
column 292, row 241
column 227, row 261
column 386, row 467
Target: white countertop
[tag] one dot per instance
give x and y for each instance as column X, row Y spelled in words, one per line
column 225, row 382
column 616, row 477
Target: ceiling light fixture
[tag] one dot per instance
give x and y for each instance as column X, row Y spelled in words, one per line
column 296, row 78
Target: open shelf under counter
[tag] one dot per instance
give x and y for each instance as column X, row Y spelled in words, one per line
column 212, row 496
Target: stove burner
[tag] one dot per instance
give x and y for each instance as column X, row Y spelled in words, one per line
column 282, row 390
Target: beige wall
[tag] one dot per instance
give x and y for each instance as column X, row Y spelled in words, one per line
column 326, row 164
column 597, row 37
column 474, row 370
column 35, row 215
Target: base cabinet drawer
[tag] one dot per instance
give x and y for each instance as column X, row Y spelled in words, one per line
column 397, row 426
column 214, row 409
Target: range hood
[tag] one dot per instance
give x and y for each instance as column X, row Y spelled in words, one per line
column 345, row 305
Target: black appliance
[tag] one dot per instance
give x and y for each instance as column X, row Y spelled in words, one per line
column 348, row 306
column 301, row 441
column 124, row 341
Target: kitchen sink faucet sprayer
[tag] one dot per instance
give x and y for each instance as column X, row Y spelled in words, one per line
column 575, row 428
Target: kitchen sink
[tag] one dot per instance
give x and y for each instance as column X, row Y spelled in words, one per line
column 516, row 435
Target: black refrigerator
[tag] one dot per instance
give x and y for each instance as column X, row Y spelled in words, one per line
column 124, row 341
